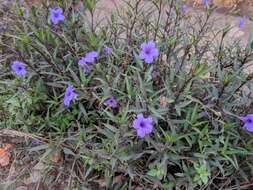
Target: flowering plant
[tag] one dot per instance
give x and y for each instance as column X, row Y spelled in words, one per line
column 153, row 99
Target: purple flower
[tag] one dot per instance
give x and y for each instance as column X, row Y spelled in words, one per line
column 143, row 125
column 112, row 102
column 148, row 52
column 107, row 50
column 248, row 122
column 184, row 8
column 90, row 57
column 205, row 2
column 84, row 65
column 82, row 61
column 56, row 15
column 19, row 68
column 35, row 142
column 242, row 21
column 86, row 68
column 69, row 95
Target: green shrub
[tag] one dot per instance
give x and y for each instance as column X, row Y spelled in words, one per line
column 194, row 91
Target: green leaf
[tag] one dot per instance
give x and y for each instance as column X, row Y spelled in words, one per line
column 89, row 4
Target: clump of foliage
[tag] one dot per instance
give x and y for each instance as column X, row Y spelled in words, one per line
column 190, row 94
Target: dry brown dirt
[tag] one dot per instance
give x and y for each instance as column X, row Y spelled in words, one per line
column 241, row 7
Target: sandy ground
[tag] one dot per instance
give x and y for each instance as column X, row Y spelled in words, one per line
column 222, row 16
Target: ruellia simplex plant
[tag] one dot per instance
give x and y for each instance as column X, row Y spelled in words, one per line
column 153, row 94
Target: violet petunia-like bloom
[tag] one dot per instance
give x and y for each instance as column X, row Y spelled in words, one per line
column 86, row 68
column 35, row 142
column 143, row 125
column 242, row 21
column 112, row 102
column 248, row 122
column 56, row 15
column 19, row 68
column 84, row 65
column 82, row 61
column 184, row 8
column 148, row 52
column 90, row 57
column 205, row 2
column 107, row 50
column 69, row 95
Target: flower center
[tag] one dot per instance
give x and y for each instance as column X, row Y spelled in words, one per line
column 249, row 120
column 20, row 68
column 147, row 50
column 142, row 124
column 56, row 15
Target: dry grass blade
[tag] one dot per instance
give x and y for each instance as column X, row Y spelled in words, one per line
column 14, row 133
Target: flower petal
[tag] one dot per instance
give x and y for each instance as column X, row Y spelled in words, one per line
column 143, row 45
column 61, row 17
column 244, row 119
column 149, row 59
column 151, row 44
column 140, row 116
column 141, row 133
column 154, row 52
column 148, row 128
column 142, row 55
column 81, row 61
column 248, row 127
column 86, row 69
column 136, row 123
column 149, row 120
